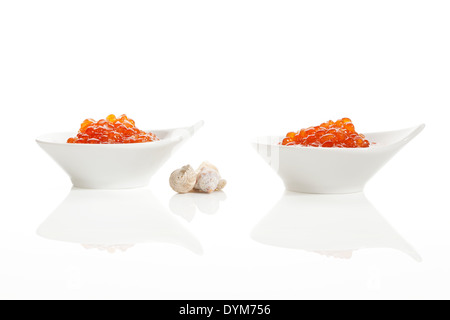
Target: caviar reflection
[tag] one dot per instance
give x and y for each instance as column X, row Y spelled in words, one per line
column 115, row 220
column 186, row 205
column 330, row 225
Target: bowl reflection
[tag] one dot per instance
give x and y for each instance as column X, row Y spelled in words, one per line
column 115, row 220
column 331, row 225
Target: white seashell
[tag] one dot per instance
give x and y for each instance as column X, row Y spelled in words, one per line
column 221, row 185
column 207, row 164
column 183, row 180
column 207, row 180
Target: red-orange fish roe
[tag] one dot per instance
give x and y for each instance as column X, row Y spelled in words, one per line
column 339, row 134
column 111, row 130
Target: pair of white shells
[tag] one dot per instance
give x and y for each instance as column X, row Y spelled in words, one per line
column 205, row 179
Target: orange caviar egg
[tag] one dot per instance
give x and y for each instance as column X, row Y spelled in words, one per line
column 111, row 130
column 339, row 134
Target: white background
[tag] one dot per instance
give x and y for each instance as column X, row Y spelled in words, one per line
column 247, row 68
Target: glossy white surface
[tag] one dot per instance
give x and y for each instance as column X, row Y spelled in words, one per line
column 117, row 166
column 248, row 68
column 332, row 170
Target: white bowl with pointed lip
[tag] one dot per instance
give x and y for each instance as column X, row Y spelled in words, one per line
column 332, row 170
column 114, row 166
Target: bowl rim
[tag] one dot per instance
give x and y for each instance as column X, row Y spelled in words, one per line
column 415, row 130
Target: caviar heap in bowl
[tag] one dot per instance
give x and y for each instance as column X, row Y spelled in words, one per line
column 111, row 130
column 309, row 164
column 339, row 134
column 105, row 155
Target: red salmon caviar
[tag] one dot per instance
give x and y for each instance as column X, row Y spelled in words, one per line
column 111, row 130
column 339, row 134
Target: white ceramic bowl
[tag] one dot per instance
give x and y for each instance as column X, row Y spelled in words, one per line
column 114, row 166
column 332, row 170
